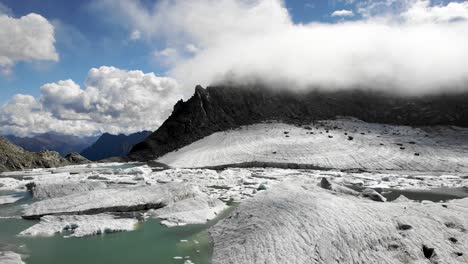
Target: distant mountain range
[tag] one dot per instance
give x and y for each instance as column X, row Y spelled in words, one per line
column 63, row 144
column 13, row 157
column 225, row 107
column 109, row 145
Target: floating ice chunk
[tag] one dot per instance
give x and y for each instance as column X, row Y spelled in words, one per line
column 112, row 200
column 197, row 210
column 44, row 190
column 8, row 257
column 80, row 225
column 7, row 184
column 9, row 199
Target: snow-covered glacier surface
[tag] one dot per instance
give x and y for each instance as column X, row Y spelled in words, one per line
column 268, row 214
column 337, row 144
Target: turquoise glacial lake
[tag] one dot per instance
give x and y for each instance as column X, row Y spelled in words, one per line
column 149, row 243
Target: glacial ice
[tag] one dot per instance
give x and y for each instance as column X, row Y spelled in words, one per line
column 80, row 225
column 47, row 189
column 8, row 257
column 375, row 147
column 302, row 223
column 122, row 199
column 197, row 210
column 9, row 199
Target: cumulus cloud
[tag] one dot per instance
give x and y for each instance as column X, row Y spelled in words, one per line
column 423, row 12
column 407, row 46
column 28, row 38
column 113, row 100
column 342, row 13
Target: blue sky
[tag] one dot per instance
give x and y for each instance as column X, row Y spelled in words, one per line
column 83, row 40
column 86, row 39
column 115, row 63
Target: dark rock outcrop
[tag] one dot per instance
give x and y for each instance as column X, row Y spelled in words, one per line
column 221, row 108
column 13, row 157
column 76, row 158
column 109, row 145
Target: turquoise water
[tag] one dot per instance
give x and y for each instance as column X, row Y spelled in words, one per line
column 150, row 243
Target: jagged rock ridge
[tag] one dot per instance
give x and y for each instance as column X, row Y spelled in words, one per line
column 220, row 108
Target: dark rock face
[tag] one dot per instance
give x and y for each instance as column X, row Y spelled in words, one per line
column 76, row 158
column 13, row 157
column 220, row 108
column 108, row 145
column 63, row 144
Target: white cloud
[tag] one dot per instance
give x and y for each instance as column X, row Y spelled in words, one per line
column 342, row 13
column 28, row 38
column 136, row 35
column 113, row 100
column 167, row 56
column 191, row 48
column 423, row 12
column 407, row 46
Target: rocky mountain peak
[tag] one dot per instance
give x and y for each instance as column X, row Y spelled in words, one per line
column 225, row 107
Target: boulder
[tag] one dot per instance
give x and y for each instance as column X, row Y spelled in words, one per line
column 76, row 158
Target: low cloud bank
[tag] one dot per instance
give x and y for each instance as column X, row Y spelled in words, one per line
column 409, row 46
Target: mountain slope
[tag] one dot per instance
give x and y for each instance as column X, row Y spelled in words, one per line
column 109, row 145
column 63, row 144
column 13, row 157
column 220, row 108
